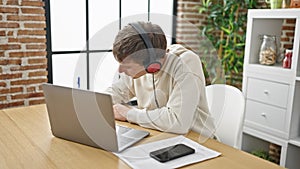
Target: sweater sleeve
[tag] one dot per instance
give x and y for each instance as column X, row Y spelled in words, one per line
column 177, row 115
column 122, row 90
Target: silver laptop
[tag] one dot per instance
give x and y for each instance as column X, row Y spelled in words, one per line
column 87, row 117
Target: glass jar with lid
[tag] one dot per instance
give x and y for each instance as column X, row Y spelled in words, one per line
column 268, row 50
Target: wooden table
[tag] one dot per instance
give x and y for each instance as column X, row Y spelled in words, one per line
column 26, row 142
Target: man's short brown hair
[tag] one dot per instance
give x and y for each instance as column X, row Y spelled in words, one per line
column 129, row 43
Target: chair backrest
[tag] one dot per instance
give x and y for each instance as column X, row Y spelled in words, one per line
column 226, row 104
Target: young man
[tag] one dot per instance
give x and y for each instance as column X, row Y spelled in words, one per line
column 168, row 83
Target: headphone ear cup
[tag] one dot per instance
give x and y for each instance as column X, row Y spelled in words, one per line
column 153, row 67
column 150, row 64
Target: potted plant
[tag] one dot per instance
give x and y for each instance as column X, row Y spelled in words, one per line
column 226, row 29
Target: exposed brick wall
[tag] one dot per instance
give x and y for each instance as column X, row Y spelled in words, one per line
column 23, row 60
column 288, row 31
column 189, row 21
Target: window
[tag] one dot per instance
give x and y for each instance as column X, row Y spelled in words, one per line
column 80, row 35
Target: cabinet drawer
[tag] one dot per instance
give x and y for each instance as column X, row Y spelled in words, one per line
column 266, row 115
column 268, row 92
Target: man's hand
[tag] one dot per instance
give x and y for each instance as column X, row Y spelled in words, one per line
column 120, row 112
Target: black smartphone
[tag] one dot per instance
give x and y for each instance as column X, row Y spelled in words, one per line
column 172, row 152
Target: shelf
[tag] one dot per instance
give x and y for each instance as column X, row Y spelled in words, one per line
column 274, row 13
column 283, row 23
column 275, row 66
column 295, row 141
column 272, row 73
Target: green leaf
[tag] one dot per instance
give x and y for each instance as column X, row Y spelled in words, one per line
column 227, row 31
column 221, row 16
column 240, row 44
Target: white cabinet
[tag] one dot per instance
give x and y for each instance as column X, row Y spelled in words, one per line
column 272, row 112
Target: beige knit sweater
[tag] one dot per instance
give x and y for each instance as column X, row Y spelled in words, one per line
column 180, row 93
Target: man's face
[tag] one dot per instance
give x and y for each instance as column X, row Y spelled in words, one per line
column 131, row 68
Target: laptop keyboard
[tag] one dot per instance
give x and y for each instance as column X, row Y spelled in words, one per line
column 123, row 141
column 128, row 136
column 122, row 129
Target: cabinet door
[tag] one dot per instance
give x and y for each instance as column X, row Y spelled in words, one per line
column 268, row 92
column 69, row 70
column 266, row 116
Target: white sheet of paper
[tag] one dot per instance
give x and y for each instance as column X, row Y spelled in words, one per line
column 138, row 156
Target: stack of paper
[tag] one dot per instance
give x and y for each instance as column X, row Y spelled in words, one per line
column 138, row 156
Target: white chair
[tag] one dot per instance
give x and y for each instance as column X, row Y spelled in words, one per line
column 226, row 104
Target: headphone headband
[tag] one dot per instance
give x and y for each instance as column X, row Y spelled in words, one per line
column 152, row 65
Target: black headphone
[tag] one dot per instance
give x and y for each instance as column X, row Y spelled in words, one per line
column 151, row 65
